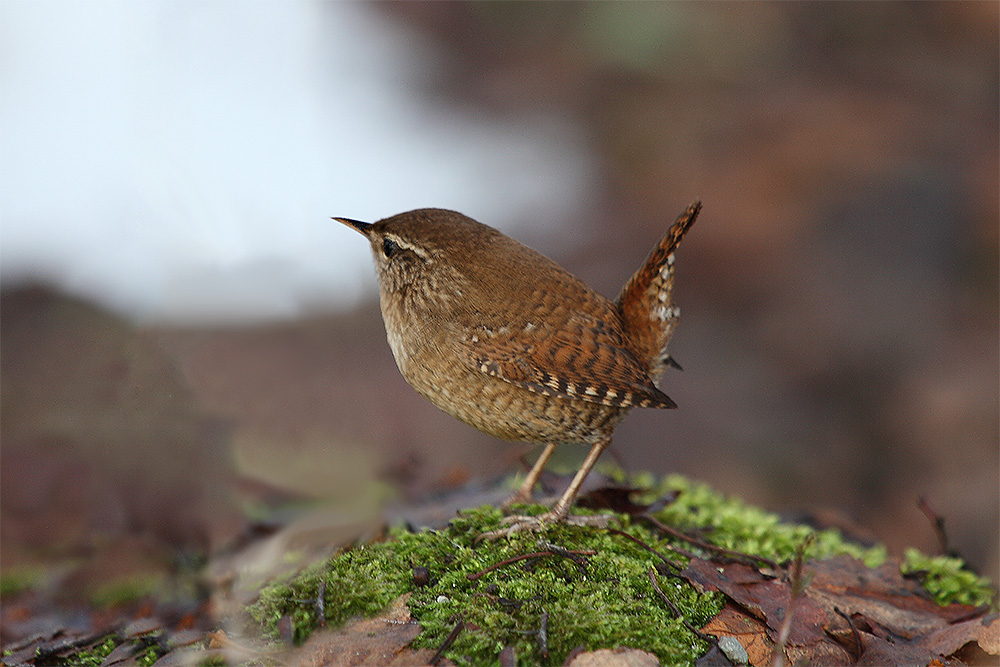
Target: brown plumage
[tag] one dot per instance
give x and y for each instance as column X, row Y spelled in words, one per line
column 646, row 305
column 508, row 341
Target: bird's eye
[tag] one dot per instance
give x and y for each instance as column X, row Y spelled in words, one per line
column 389, row 247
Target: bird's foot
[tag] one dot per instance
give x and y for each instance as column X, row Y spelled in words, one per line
column 518, row 524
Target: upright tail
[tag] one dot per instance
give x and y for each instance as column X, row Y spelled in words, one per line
column 646, row 301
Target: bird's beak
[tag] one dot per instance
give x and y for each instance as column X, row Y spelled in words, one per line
column 363, row 227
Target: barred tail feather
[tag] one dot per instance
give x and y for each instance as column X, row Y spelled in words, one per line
column 646, row 302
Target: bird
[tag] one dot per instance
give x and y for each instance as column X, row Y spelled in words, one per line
column 506, row 340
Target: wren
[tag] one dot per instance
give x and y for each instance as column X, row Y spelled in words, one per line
column 506, row 340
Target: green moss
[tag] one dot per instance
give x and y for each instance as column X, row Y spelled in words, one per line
column 609, row 601
column 93, row 656
column 730, row 523
column 361, row 582
column 737, row 526
column 946, row 579
column 148, row 657
column 19, row 579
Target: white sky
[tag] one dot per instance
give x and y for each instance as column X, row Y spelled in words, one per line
column 181, row 160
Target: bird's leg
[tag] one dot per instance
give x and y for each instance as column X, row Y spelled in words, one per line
column 560, row 511
column 523, row 494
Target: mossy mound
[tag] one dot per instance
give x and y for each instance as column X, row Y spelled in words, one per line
column 600, row 597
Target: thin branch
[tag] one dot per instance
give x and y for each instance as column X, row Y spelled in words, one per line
column 576, row 557
column 695, row 631
column 449, row 640
column 937, row 522
column 543, row 635
column 856, row 653
column 677, row 550
column 708, row 546
column 321, row 603
column 799, row 584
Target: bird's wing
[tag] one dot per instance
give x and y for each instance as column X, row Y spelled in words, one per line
column 577, row 356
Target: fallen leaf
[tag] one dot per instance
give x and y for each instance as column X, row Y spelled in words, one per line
column 142, row 626
column 766, row 598
column 878, row 651
column 879, row 594
column 617, row 657
column 750, row 632
column 848, row 614
column 382, row 640
column 985, row 632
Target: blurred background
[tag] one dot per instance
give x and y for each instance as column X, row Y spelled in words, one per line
column 188, row 340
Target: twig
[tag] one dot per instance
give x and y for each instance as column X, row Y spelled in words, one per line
column 856, row 654
column 937, row 522
column 708, row 546
column 799, row 584
column 549, row 552
column 677, row 612
column 321, row 603
column 506, row 603
column 449, row 640
column 677, row 550
column 576, row 557
column 543, row 636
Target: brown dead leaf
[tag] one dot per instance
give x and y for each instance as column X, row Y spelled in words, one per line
column 142, row 626
column 848, row 614
column 880, row 651
column 881, row 595
column 765, row 598
column 984, row 632
column 750, row 632
column 123, row 654
column 827, row 653
column 617, row 657
column 381, row 641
